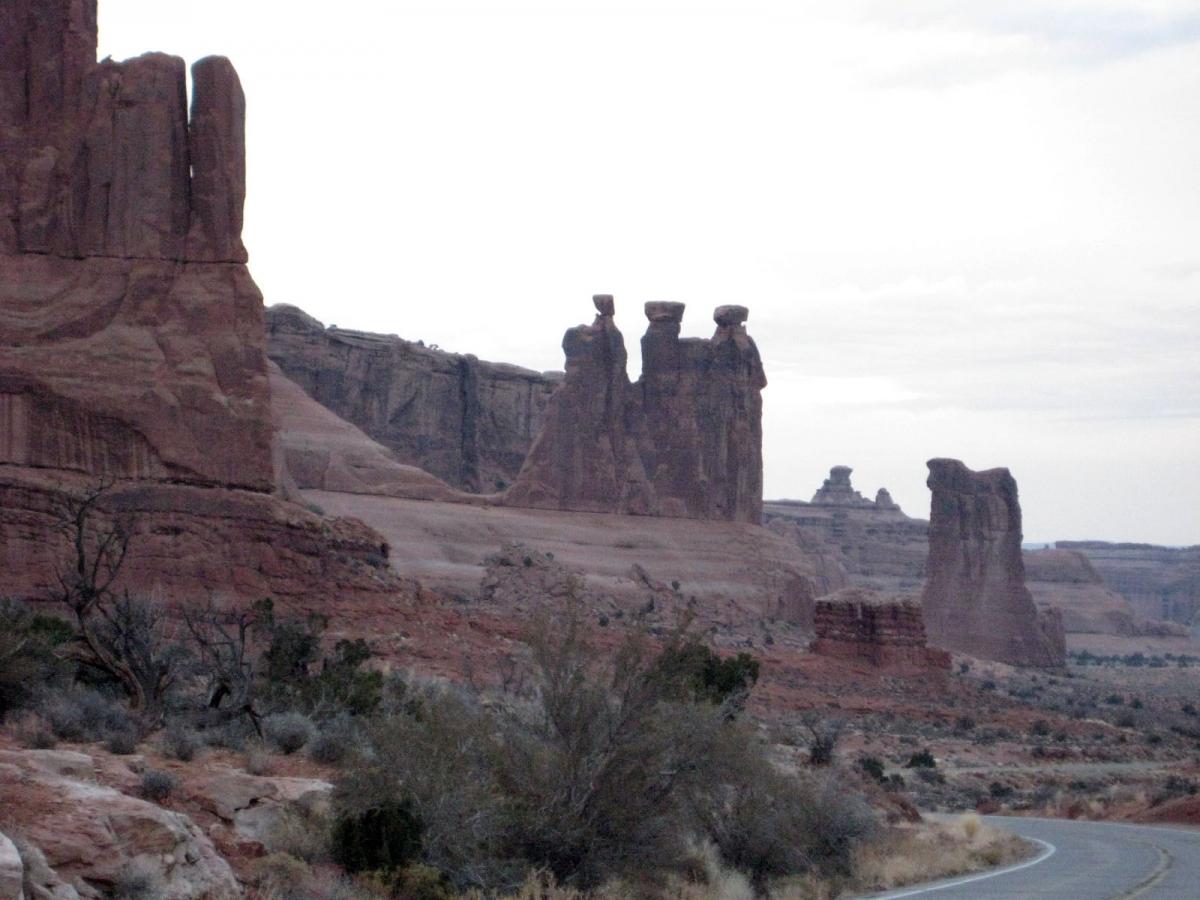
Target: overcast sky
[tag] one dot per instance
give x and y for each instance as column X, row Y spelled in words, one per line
column 962, row 229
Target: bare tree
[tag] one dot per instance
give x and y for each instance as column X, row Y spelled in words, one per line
column 824, row 734
column 222, row 638
column 117, row 635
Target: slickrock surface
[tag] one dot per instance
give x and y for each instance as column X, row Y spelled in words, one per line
column 470, row 423
column 883, row 631
column 975, row 598
column 1159, row 582
column 90, row 833
column 685, row 440
column 744, row 579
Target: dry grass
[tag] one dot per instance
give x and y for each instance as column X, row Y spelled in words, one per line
column 935, row 850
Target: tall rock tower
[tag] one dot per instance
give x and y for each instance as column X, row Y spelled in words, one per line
column 975, row 599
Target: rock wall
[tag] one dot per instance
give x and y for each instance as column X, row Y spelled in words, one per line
column 1159, row 582
column 882, row 631
column 131, row 335
column 132, row 347
column 468, row 422
column 685, row 440
column 975, row 598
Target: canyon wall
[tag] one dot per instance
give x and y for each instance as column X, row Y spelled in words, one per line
column 685, row 440
column 975, row 597
column 1159, row 582
column 470, row 423
column 132, row 348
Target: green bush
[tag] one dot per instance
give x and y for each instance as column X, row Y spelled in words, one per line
column 28, row 664
column 872, row 766
column 381, row 838
column 922, row 759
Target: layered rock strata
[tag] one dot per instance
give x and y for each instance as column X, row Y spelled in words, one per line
column 975, row 599
column 1159, row 582
column 685, row 440
column 132, row 348
column 885, row 632
column 468, row 422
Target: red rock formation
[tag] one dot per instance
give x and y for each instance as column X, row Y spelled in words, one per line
column 585, row 457
column 884, row 632
column 975, row 597
column 468, row 422
column 131, row 333
column 685, row 440
column 1159, row 582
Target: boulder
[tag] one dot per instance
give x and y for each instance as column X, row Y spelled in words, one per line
column 975, row 598
column 12, row 870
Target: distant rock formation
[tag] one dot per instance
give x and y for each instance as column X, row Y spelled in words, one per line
column 468, row 422
column 1067, row 580
column 837, row 490
column 131, row 334
column 685, row 440
column 1159, row 582
column 975, row 598
column 885, row 632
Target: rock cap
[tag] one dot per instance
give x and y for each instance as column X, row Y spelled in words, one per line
column 604, row 304
column 664, row 311
column 731, row 315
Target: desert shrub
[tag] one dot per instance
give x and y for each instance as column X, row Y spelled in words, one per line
column 33, row 732
column 872, row 766
column 823, row 735
column 122, row 743
column 964, row 723
column 922, row 759
column 333, row 741
column 380, row 838
column 181, row 743
column 138, row 880
column 302, row 832
column 1136, row 703
column 232, row 734
column 294, row 680
column 1040, row 727
column 999, row 790
column 84, row 714
column 608, row 770
column 157, row 785
column 258, row 760
column 1114, row 700
column 1126, row 720
column 288, row 732
column 1189, row 709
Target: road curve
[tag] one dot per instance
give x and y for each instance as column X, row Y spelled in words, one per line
column 1082, row 861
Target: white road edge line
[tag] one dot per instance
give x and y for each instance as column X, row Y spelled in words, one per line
column 1048, row 852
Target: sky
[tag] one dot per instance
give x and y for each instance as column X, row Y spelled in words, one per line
column 962, row 229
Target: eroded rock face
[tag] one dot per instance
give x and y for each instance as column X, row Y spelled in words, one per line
column 131, row 338
column 885, row 632
column 975, row 598
column 1159, row 582
column 685, row 440
column 470, row 423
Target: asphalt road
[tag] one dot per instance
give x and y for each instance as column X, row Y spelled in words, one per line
column 1082, row 861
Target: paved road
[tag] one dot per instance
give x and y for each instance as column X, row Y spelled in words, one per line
column 1083, row 861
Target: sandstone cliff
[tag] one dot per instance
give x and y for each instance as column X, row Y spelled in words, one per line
column 470, row 423
column 1159, row 582
column 132, row 346
column 975, row 599
column 685, row 440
